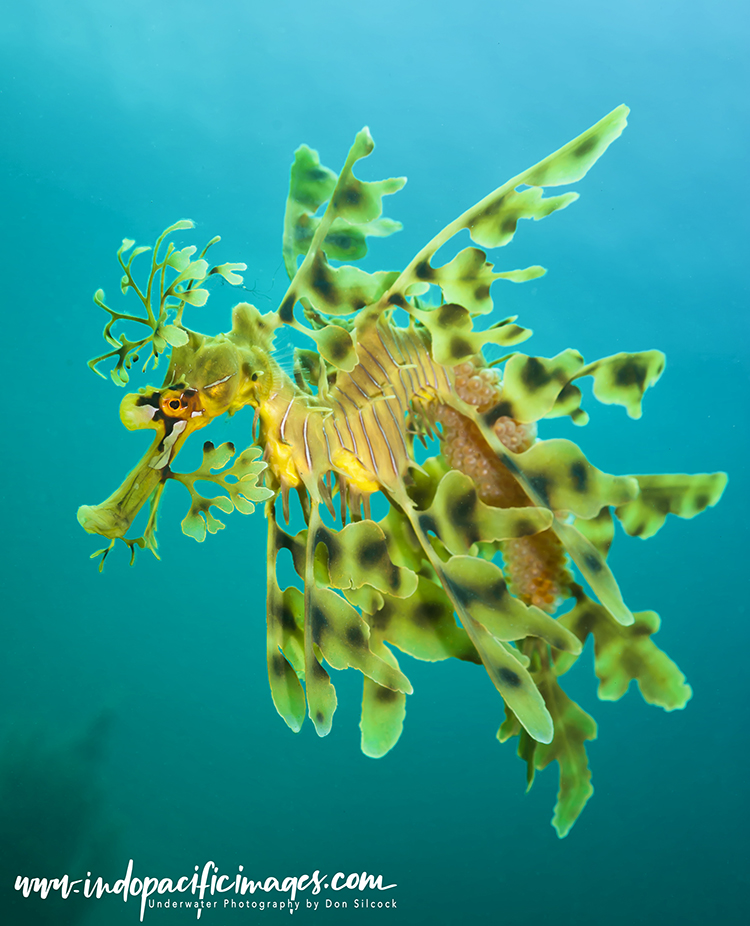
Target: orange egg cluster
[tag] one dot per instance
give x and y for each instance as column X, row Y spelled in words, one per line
column 535, row 566
column 536, row 569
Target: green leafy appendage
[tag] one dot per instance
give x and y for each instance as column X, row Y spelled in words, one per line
column 173, row 282
column 242, row 492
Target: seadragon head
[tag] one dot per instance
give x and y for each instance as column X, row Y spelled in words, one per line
column 477, row 550
column 207, row 376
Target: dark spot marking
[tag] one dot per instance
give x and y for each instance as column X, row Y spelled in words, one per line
column 278, row 665
column 451, row 315
column 340, row 241
column 338, row 346
column 585, row 623
column 640, row 630
column 460, row 347
column 427, row 612
column 509, row 224
column 152, row 400
column 331, row 542
column 427, row 523
column 397, row 299
column 537, row 177
column 319, row 716
column 579, row 476
column 423, row 270
column 462, row 594
column 533, row 375
column 659, row 502
column 380, row 619
column 509, row 677
column 588, row 144
column 525, row 527
column 496, row 592
column 493, row 208
column 319, row 624
column 481, row 293
column 631, row 373
column 701, row 501
column 638, row 530
column 593, row 562
column 355, row 637
column 321, row 281
column 370, row 553
column 385, row 695
column 394, row 578
column 286, row 310
column 461, row 508
column 540, row 484
column 286, row 619
column 503, row 409
column 318, row 670
column 352, row 196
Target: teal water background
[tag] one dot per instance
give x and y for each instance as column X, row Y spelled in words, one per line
column 137, row 718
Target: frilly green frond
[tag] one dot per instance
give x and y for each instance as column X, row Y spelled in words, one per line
column 241, row 493
column 173, row 282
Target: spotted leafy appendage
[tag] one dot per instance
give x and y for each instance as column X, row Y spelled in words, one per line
column 353, row 213
column 623, row 654
column 573, row 727
column 682, row 495
column 492, row 222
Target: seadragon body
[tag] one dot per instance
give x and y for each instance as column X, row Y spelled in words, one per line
column 427, row 578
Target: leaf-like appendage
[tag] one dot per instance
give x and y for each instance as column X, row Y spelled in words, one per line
column 460, row 519
column 481, row 588
column 339, row 291
column 492, row 221
column 383, row 710
column 358, row 555
column 453, row 338
column 346, row 230
column 532, row 385
column 564, row 479
column 353, row 212
column 285, row 645
column 682, row 495
column 573, row 726
column 599, row 531
column 162, row 301
column 626, row 653
column 242, row 493
column 343, row 637
column 623, row 378
column 422, row 625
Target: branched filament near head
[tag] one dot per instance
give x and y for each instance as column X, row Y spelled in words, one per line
column 427, row 578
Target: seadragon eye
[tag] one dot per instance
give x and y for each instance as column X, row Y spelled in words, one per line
column 176, row 404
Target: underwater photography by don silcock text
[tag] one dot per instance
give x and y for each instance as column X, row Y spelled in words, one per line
column 357, row 456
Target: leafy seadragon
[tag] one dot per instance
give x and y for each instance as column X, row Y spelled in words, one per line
column 425, row 578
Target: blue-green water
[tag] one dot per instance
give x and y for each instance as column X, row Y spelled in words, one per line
column 118, row 119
